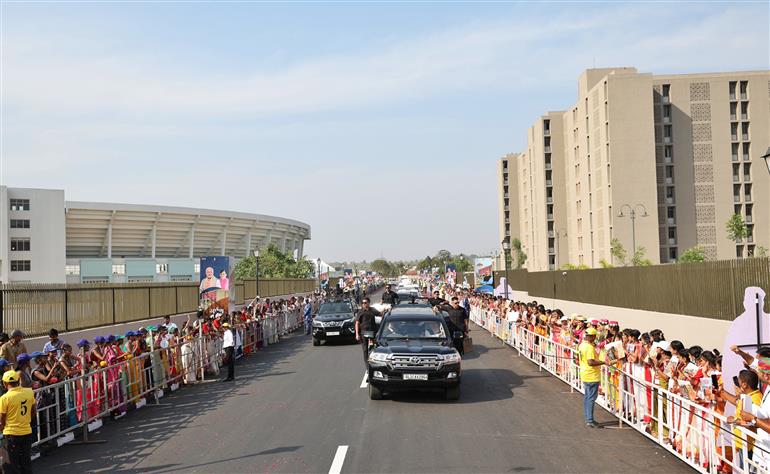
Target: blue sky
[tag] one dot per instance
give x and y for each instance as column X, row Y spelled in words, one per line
column 377, row 123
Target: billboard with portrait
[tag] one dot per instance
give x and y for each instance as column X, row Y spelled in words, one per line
column 214, row 288
column 482, row 269
column 450, row 273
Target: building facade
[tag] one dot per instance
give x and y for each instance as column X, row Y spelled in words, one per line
column 659, row 163
column 46, row 239
column 508, row 203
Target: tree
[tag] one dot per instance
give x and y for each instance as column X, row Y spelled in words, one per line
column 639, row 259
column 605, row 264
column 425, row 264
column 273, row 263
column 693, row 254
column 570, row 266
column 618, row 252
column 521, row 257
column 736, row 228
column 383, row 267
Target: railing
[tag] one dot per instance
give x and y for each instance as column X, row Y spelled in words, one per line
column 693, row 432
column 82, row 403
column 37, row 308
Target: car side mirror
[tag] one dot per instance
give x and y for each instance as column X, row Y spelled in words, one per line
column 457, row 335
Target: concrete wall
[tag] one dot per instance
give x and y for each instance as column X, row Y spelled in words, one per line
column 691, row 330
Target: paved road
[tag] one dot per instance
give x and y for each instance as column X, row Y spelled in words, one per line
column 294, row 404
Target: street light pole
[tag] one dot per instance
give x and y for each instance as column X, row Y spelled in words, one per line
column 558, row 254
column 766, row 157
column 632, row 214
column 318, row 273
column 507, row 250
column 256, row 270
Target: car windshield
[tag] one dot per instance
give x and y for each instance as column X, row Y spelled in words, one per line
column 335, row 307
column 413, row 330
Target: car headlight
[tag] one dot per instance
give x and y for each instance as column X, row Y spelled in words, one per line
column 318, row 324
column 452, row 358
column 378, row 357
column 351, row 320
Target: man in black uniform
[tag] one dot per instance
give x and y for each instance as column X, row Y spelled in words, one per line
column 457, row 320
column 389, row 297
column 365, row 322
column 436, row 300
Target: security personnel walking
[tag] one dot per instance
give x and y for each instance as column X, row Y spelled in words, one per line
column 365, row 322
column 17, row 410
column 457, row 320
column 389, row 297
column 228, row 344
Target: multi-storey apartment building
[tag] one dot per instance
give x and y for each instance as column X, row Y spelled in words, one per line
column 657, row 162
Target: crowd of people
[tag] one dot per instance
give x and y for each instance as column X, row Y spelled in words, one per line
column 643, row 371
column 110, row 374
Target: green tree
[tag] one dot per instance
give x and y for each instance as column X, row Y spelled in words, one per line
column 425, row 264
column 521, row 257
column 605, row 264
column 570, row 266
column 383, row 267
column 693, row 254
column 618, row 252
column 273, row 263
column 736, row 228
column 639, row 259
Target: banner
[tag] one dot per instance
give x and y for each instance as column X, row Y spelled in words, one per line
column 348, row 273
column 214, row 289
column 450, row 273
column 482, row 268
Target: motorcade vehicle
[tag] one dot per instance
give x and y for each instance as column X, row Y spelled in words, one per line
column 336, row 320
column 413, row 350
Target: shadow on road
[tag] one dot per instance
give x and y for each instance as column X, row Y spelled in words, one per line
column 130, row 439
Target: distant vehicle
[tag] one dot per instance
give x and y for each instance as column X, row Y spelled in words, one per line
column 336, row 320
column 413, row 350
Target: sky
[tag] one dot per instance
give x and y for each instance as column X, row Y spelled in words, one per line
column 377, row 123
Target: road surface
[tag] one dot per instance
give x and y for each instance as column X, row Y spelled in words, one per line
column 294, row 405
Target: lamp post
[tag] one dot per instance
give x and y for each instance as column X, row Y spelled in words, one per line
column 256, row 270
column 562, row 233
column 318, row 272
column 766, row 157
column 632, row 214
column 507, row 251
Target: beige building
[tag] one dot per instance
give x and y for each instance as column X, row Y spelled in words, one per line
column 658, row 162
column 508, row 198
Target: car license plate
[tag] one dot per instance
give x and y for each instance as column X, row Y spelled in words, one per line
column 334, row 333
column 415, row 376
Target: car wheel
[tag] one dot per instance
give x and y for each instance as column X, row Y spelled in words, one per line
column 316, row 342
column 374, row 393
column 452, row 393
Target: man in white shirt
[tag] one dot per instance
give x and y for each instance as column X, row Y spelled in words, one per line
column 228, row 345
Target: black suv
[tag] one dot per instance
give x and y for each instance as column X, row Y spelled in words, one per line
column 335, row 320
column 414, row 351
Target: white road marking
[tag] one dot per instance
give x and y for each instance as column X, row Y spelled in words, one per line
column 365, row 381
column 339, row 460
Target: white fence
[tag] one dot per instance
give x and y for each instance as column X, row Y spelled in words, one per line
column 80, row 403
column 692, row 431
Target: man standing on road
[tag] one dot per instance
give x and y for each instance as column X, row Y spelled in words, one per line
column 17, row 410
column 389, row 297
column 457, row 320
column 228, row 344
column 308, row 314
column 590, row 374
column 365, row 322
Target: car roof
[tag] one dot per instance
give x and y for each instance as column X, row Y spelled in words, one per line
column 414, row 312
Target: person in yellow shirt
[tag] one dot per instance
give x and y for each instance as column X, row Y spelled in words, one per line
column 748, row 386
column 17, row 410
column 590, row 375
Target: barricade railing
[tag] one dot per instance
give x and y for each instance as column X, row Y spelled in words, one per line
column 692, row 430
column 83, row 401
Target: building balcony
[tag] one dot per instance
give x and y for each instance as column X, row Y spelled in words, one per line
column 506, row 208
column 736, row 198
column 669, row 200
column 667, row 119
column 736, row 179
column 746, row 178
column 550, row 234
column 671, row 221
column 551, row 250
column 671, row 241
column 735, row 157
column 734, row 137
column 547, row 149
column 505, row 195
column 547, row 132
column 744, row 117
column 668, row 159
column 750, row 239
column 749, row 219
column 548, row 182
column 733, row 117
column 666, row 99
column 732, row 96
column 549, row 199
column 744, row 96
column 549, row 217
column 548, row 166
column 747, row 198
column 746, row 157
column 669, row 180
column 745, row 136
column 666, row 139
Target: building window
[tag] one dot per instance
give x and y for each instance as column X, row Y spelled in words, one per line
column 744, row 90
column 733, row 85
column 19, row 223
column 19, row 245
column 20, row 265
column 19, row 204
column 197, row 268
column 666, row 113
column 161, row 268
column 72, row 270
column 119, row 269
column 672, row 254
